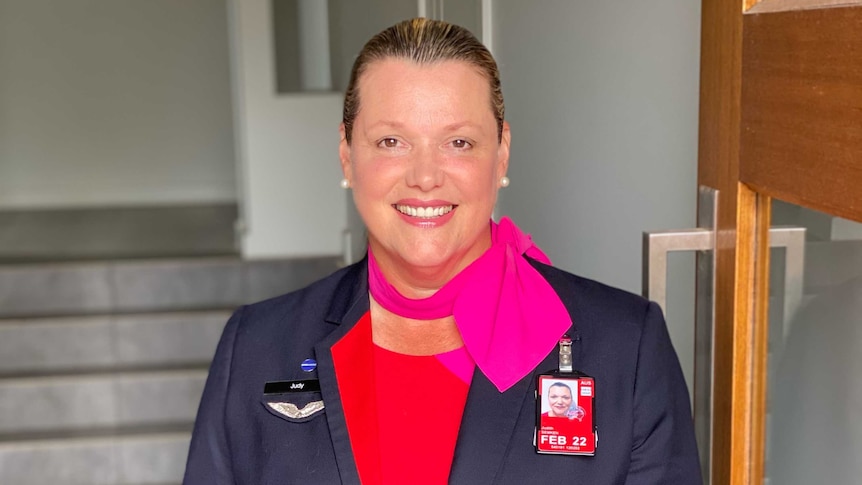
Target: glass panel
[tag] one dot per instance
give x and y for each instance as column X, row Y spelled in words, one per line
column 286, row 45
column 316, row 41
column 814, row 389
column 301, row 45
column 707, row 218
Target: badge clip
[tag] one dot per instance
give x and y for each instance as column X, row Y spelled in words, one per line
column 565, row 354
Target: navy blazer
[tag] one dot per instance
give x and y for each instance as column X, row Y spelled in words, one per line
column 642, row 405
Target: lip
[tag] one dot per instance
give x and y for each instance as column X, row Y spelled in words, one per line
column 426, row 223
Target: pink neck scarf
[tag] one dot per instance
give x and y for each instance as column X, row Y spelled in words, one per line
column 508, row 315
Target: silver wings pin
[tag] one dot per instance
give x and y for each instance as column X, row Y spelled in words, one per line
column 291, row 411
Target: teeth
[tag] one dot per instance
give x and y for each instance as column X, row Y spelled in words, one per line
column 424, row 212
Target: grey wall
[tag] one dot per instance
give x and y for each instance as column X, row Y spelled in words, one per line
column 106, row 103
column 603, row 102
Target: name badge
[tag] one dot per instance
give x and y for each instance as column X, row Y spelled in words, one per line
column 282, row 387
column 565, row 414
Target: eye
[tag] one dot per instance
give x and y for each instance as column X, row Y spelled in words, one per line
column 461, row 144
column 388, row 143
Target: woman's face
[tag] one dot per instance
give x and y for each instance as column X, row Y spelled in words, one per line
column 560, row 398
column 425, row 165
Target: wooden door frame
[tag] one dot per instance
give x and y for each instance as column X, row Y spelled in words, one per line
column 749, row 153
column 718, row 167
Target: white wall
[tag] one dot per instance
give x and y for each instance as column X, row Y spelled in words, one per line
column 107, row 103
column 290, row 199
column 603, row 102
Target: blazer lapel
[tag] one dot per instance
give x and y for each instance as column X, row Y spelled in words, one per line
column 348, row 305
column 486, row 429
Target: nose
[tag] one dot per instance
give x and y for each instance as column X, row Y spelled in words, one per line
column 426, row 169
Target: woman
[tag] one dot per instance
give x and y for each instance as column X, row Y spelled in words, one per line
column 559, row 400
column 419, row 364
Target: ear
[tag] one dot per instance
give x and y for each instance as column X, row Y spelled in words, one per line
column 503, row 151
column 344, row 154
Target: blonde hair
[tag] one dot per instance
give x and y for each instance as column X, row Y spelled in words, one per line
column 424, row 41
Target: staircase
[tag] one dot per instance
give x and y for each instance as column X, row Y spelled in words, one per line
column 102, row 363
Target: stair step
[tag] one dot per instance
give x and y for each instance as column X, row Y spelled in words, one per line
column 91, row 343
column 73, row 234
column 62, row 405
column 126, row 460
column 102, row 363
column 102, row 287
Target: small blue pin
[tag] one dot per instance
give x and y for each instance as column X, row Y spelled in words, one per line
column 308, row 365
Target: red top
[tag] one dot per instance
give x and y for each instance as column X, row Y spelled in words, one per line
column 419, row 407
column 416, row 407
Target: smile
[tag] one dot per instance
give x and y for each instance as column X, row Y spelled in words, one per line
column 424, row 212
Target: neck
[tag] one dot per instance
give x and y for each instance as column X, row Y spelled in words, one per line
column 413, row 337
column 417, row 282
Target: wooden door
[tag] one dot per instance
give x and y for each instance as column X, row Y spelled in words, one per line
column 780, row 116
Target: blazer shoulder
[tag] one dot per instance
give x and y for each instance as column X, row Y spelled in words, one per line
column 590, row 302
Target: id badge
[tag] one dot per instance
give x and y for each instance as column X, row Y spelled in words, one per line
column 565, row 414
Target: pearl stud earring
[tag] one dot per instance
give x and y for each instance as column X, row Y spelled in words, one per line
column 504, row 182
column 345, row 184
